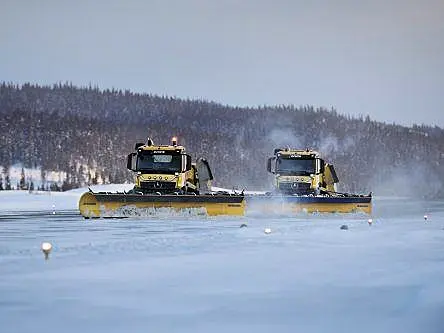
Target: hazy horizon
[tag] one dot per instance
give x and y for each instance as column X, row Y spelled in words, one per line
column 385, row 60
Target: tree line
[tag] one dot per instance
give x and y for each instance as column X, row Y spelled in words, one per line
column 87, row 132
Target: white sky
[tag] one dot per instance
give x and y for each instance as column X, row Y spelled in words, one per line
column 382, row 58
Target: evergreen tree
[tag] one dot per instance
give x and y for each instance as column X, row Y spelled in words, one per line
column 22, row 184
column 1, row 183
column 7, row 183
column 81, row 177
column 55, row 187
column 43, row 179
column 94, row 180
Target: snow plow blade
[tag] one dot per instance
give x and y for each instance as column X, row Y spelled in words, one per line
column 108, row 205
column 289, row 204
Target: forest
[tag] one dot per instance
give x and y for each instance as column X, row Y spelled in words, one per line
column 87, row 132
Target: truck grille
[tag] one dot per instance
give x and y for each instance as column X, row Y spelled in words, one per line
column 157, row 185
column 299, row 188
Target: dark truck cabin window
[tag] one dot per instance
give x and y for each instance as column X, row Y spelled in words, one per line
column 160, row 163
column 296, row 166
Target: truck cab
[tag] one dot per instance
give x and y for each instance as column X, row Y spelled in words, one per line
column 301, row 172
column 167, row 169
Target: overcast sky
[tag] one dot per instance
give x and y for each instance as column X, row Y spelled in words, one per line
column 382, row 58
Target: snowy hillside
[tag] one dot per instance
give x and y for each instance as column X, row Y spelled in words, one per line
column 89, row 141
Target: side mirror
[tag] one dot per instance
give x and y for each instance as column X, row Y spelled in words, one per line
column 186, row 163
column 270, row 166
column 131, row 162
column 188, row 166
column 138, row 144
column 320, row 166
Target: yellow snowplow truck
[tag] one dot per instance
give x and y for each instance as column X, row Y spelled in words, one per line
column 168, row 169
column 166, row 181
column 301, row 172
column 304, row 182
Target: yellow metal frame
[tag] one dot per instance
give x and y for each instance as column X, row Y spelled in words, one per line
column 90, row 207
column 295, row 208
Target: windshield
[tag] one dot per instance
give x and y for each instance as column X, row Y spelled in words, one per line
column 159, row 163
column 296, row 167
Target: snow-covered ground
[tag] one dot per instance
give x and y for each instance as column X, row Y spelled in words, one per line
column 50, row 201
column 210, row 275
